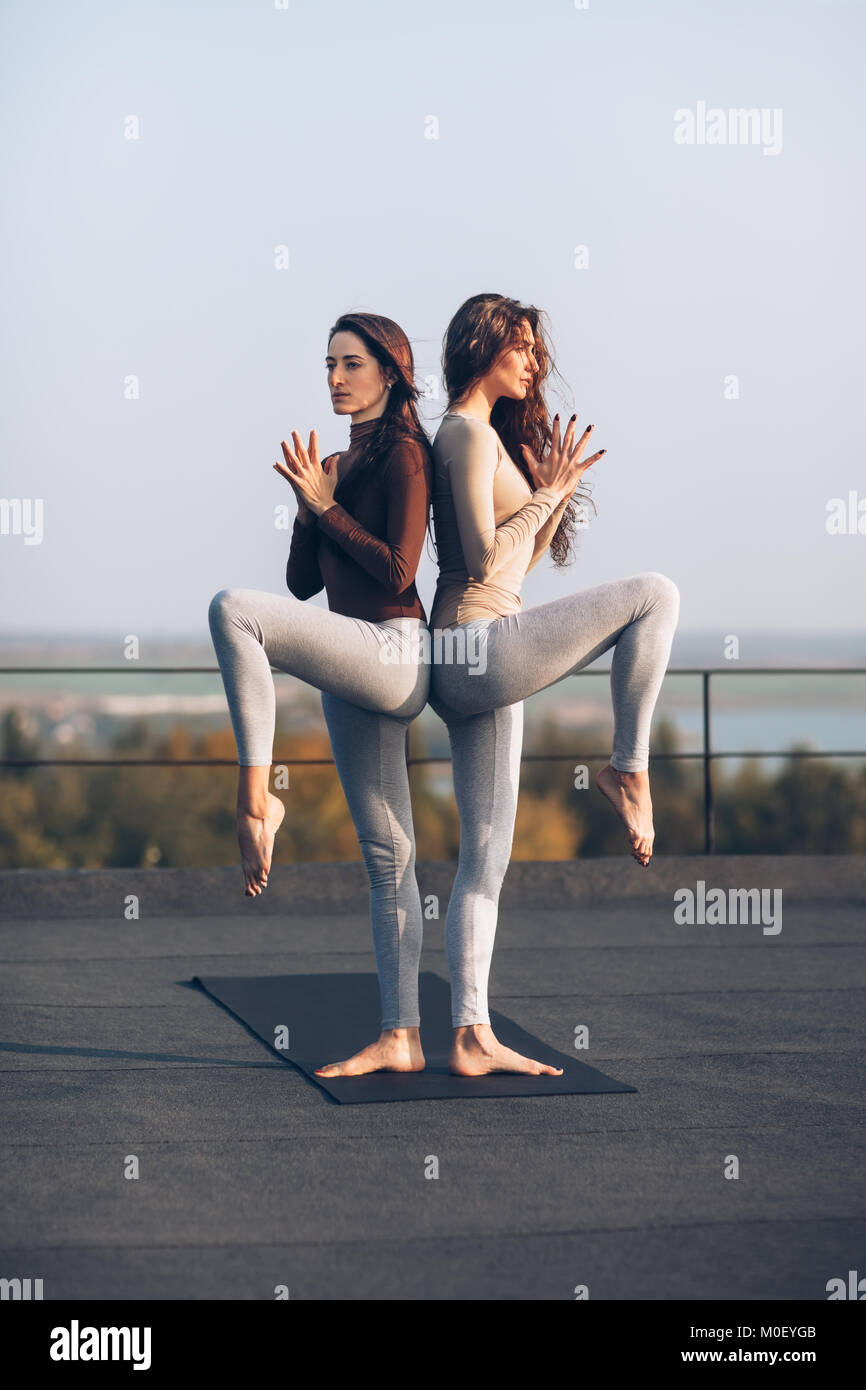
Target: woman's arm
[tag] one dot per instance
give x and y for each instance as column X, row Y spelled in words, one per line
column 392, row 560
column 546, row 534
column 303, row 575
column 472, row 463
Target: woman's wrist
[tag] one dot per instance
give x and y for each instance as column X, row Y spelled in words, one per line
column 553, row 494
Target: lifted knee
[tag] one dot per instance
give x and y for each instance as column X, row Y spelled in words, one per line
column 222, row 606
column 661, row 587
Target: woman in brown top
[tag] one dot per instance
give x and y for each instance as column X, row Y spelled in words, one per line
column 361, row 522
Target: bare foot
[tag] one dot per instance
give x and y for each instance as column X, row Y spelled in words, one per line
column 629, row 793
column 256, row 839
column 476, row 1051
column 397, row 1049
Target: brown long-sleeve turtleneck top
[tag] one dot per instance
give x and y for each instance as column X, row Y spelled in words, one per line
column 366, row 561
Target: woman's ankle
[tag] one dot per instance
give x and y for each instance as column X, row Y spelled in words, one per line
column 254, row 794
column 638, row 774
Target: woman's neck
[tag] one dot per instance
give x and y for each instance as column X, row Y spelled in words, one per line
column 359, row 429
column 477, row 403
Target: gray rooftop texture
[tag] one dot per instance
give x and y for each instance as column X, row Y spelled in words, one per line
column 738, row 1042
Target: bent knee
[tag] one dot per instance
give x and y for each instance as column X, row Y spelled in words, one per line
column 661, row 587
column 224, row 604
column 219, row 603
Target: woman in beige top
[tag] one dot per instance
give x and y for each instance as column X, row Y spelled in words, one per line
column 503, row 484
column 491, row 528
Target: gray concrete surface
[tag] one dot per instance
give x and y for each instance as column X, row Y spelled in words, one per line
column 739, row 1043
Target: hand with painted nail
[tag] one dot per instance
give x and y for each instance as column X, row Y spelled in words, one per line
column 561, row 467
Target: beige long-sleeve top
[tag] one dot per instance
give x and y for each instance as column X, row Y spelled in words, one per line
column 490, row 526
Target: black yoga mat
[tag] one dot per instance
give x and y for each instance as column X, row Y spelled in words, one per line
column 330, row 1017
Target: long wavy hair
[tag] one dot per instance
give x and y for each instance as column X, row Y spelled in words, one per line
column 483, row 328
column 388, row 344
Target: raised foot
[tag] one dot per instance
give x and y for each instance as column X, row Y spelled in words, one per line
column 476, row 1051
column 397, row 1049
column 256, row 839
column 629, row 794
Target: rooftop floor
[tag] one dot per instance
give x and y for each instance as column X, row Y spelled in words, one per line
column 738, row 1042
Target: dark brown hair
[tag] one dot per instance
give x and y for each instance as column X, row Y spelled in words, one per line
column 389, row 345
column 485, row 327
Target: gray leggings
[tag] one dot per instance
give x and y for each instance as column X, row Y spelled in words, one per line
column 479, row 694
column 373, row 685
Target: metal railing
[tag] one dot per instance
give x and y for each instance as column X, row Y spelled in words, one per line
column 706, row 753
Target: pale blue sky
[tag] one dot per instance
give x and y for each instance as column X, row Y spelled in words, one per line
column 305, row 126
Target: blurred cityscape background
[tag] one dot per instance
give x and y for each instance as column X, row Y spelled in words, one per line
column 154, row 815
column 232, row 177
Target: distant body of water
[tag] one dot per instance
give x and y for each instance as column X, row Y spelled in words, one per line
column 747, row 714
column 750, row 712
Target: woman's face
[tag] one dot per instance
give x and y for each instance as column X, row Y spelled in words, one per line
column 355, row 379
column 512, row 374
